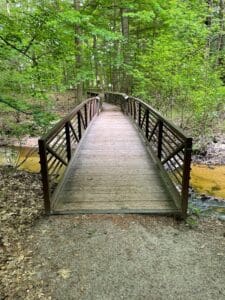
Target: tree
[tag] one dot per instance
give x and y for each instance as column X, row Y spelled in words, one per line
column 171, row 53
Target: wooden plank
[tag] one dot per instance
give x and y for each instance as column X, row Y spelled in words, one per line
column 109, row 181
column 132, row 205
column 76, row 196
column 115, row 171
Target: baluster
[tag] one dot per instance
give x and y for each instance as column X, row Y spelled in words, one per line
column 90, row 108
column 98, row 105
column 79, row 126
column 160, row 137
column 131, row 107
column 44, row 174
column 85, row 115
column 95, row 106
column 68, row 141
column 135, row 113
column 139, row 114
column 147, row 123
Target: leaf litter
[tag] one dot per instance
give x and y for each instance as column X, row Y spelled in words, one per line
column 21, row 205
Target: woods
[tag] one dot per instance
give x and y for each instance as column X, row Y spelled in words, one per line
column 119, row 218
column 169, row 53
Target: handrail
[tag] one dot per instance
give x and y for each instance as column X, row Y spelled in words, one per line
column 169, row 145
column 57, row 147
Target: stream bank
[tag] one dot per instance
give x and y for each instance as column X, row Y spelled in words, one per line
column 21, row 204
column 207, row 194
column 207, row 175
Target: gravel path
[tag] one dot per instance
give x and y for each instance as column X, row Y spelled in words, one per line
column 122, row 257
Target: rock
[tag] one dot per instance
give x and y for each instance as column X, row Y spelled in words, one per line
column 221, row 218
column 215, row 140
column 205, row 197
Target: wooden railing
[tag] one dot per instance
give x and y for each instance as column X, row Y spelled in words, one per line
column 168, row 144
column 57, row 147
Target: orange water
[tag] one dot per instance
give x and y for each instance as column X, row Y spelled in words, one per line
column 24, row 157
column 209, row 180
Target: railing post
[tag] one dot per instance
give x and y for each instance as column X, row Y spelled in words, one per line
column 128, row 106
column 85, row 115
column 139, row 114
column 68, row 141
column 98, row 105
column 125, row 104
column 44, row 174
column 186, row 176
column 90, row 111
column 131, row 107
column 79, row 126
column 160, row 137
column 147, row 124
column 95, row 106
column 135, row 111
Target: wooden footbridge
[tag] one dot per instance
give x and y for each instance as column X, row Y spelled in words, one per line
column 115, row 155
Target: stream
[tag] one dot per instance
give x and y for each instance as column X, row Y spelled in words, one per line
column 207, row 181
column 25, row 158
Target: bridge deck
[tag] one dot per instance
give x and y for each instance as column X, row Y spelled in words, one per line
column 112, row 172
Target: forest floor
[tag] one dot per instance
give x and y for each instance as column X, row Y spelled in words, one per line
column 103, row 256
column 106, row 256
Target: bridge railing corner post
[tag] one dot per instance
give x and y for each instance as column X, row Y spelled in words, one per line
column 44, row 175
column 186, row 176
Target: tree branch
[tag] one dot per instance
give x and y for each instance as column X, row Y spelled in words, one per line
column 15, row 48
column 14, row 106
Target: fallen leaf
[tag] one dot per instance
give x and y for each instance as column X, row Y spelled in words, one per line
column 64, row 273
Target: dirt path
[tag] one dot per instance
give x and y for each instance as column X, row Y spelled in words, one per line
column 102, row 256
column 121, row 257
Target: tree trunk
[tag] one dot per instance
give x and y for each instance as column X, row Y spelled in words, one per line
column 78, row 57
column 96, row 62
column 125, row 32
column 115, row 52
column 8, row 7
column 220, row 46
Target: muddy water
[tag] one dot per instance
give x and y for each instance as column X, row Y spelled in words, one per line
column 209, row 180
column 26, row 158
column 209, row 183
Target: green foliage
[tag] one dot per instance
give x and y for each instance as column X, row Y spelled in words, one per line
column 192, row 222
column 162, row 51
column 194, row 211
